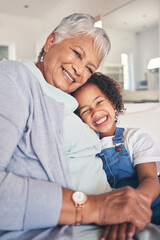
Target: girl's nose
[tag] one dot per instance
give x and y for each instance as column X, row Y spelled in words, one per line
column 95, row 112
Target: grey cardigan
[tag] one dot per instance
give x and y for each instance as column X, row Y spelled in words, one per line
column 33, row 164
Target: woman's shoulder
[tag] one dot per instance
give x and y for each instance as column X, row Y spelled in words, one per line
column 14, row 71
column 10, row 65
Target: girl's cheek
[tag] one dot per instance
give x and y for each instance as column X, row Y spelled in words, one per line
column 85, row 120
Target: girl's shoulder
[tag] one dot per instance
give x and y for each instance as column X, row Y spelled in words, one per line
column 134, row 132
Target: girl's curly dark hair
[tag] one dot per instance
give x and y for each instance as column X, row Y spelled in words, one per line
column 110, row 88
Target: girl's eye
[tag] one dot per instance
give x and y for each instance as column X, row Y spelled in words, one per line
column 77, row 54
column 85, row 111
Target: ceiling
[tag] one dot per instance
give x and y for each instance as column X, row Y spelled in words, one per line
column 28, row 8
column 137, row 16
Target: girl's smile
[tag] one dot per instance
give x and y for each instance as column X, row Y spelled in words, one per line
column 101, row 122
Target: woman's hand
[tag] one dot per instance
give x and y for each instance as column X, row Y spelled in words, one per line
column 118, row 231
column 119, row 206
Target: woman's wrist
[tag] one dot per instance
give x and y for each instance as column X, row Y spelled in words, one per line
column 67, row 214
column 90, row 212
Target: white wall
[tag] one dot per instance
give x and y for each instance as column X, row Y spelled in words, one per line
column 147, row 48
column 22, row 32
column 29, row 34
column 143, row 46
column 122, row 42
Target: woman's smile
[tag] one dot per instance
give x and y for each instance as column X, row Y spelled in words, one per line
column 68, row 77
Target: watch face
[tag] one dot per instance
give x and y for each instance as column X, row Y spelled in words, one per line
column 79, row 197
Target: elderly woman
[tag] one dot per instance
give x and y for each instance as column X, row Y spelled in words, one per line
column 47, row 152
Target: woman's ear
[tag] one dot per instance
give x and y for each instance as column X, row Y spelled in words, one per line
column 113, row 105
column 49, row 42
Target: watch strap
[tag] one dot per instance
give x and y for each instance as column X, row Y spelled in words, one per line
column 79, row 199
column 78, row 215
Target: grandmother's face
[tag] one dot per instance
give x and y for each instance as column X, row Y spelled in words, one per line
column 68, row 64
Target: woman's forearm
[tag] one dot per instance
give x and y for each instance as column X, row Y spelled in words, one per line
column 67, row 215
column 118, row 206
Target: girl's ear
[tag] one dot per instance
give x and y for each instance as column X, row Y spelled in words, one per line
column 116, row 115
column 50, row 41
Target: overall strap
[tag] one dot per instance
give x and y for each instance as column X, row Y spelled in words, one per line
column 118, row 138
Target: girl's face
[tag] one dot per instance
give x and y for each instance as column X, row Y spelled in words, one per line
column 96, row 110
column 67, row 65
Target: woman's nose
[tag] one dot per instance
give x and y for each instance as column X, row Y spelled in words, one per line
column 78, row 68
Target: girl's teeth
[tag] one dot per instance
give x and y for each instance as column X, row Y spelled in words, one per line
column 101, row 120
column 67, row 75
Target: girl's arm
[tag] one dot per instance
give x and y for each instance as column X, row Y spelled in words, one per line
column 148, row 179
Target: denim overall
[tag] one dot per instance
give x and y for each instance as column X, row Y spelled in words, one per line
column 120, row 171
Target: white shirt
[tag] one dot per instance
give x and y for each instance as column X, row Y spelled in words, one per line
column 139, row 145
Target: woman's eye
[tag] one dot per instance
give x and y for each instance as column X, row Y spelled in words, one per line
column 77, row 54
column 90, row 70
column 100, row 101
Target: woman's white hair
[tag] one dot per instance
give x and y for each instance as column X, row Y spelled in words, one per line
column 82, row 24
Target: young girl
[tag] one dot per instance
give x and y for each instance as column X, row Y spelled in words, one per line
column 129, row 155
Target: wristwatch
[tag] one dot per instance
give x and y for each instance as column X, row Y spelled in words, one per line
column 79, row 200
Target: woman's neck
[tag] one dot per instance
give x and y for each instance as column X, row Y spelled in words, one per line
column 40, row 66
